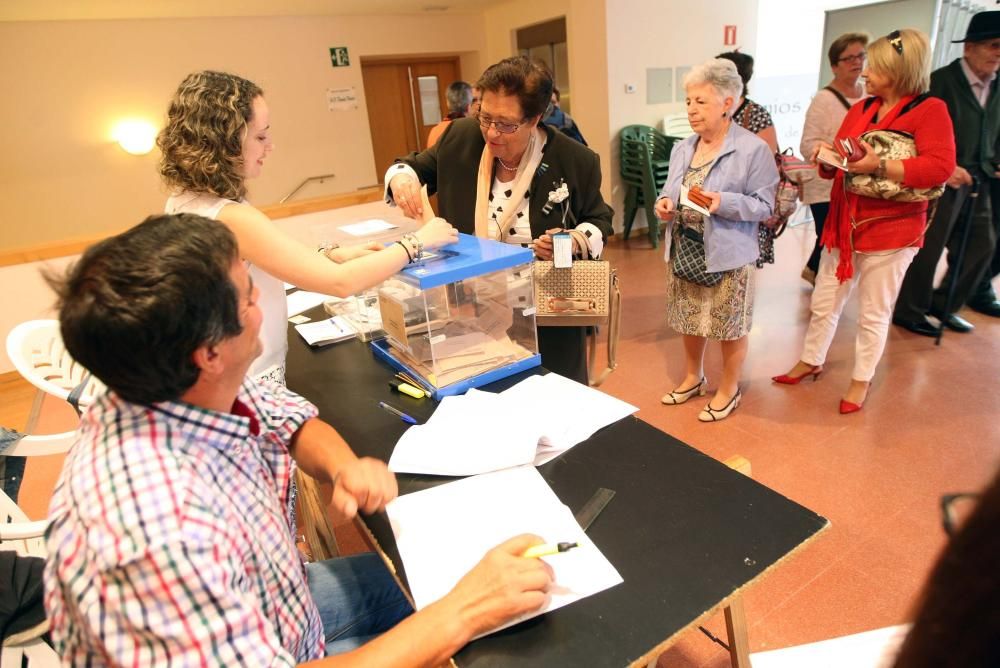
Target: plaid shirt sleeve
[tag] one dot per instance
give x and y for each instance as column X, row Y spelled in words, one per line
column 281, row 411
column 185, row 605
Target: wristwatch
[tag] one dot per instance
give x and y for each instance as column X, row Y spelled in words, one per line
column 880, row 172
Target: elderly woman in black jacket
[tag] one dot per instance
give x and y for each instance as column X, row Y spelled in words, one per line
column 504, row 175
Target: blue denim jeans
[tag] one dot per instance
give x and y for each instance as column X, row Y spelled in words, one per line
column 357, row 598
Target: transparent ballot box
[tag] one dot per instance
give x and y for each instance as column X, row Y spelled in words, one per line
column 462, row 318
column 360, row 311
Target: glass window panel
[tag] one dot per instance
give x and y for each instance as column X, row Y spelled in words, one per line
column 430, row 103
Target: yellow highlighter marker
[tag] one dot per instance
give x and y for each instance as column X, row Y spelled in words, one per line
column 546, row 549
column 406, row 388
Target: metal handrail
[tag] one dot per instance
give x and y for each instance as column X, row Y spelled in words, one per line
column 297, row 188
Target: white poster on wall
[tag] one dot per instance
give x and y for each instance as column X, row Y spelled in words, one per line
column 786, row 98
column 341, row 99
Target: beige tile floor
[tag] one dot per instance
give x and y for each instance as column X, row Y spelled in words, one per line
column 929, row 427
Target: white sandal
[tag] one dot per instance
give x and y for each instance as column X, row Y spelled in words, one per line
column 709, row 414
column 680, row 396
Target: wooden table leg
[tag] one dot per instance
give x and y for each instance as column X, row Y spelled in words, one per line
column 736, row 620
column 736, row 627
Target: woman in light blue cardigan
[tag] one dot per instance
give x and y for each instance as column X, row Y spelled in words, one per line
column 736, row 174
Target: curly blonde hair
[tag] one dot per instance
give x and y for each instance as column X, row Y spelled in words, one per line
column 202, row 144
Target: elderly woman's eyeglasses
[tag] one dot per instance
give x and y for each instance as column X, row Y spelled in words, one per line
column 502, row 127
column 896, row 40
column 857, row 58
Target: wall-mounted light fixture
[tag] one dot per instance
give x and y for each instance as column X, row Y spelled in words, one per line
column 135, row 136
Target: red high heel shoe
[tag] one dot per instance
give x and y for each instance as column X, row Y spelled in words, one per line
column 785, row 379
column 847, row 407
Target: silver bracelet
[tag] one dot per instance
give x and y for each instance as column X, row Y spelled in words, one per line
column 418, row 246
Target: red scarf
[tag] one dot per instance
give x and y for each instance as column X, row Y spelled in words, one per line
column 844, row 204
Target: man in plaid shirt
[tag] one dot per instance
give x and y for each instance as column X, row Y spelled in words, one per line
column 169, row 540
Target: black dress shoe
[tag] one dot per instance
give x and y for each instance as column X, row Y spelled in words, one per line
column 987, row 308
column 955, row 323
column 921, row 327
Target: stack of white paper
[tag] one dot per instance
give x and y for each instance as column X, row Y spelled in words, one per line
column 323, row 332
column 303, row 300
column 443, row 532
column 533, row 422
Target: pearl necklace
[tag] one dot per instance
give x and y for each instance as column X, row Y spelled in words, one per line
column 506, row 166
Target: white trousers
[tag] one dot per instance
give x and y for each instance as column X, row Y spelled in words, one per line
column 878, row 278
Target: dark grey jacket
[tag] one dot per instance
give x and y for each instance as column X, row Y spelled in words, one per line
column 977, row 129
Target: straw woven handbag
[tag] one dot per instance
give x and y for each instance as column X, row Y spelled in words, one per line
column 587, row 294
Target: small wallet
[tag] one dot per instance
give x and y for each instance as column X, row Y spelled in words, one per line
column 696, row 196
column 849, row 148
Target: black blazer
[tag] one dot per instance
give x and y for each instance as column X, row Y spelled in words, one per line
column 977, row 130
column 451, row 166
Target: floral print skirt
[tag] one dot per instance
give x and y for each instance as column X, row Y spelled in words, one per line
column 723, row 312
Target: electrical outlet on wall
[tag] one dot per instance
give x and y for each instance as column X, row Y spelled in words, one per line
column 629, row 88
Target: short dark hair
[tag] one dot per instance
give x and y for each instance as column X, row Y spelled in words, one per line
column 137, row 305
column 744, row 65
column 841, row 44
column 459, row 97
column 524, row 77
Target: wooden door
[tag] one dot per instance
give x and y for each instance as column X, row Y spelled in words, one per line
column 398, row 93
column 425, row 78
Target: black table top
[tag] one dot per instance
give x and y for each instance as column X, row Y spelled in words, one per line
column 684, row 530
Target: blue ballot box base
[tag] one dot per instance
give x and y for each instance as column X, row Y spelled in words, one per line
column 382, row 350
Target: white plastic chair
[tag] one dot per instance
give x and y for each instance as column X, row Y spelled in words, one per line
column 36, row 349
column 16, row 530
column 19, row 533
column 37, row 653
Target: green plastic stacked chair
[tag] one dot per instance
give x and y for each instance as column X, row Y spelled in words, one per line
column 645, row 158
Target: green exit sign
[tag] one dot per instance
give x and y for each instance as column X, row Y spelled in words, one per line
column 338, row 56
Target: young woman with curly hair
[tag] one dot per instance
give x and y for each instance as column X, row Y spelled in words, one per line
column 217, row 136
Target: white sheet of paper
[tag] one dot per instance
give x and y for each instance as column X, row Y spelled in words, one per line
column 367, row 228
column 869, row 649
column 303, row 300
column 443, row 532
column 686, row 201
column 323, row 332
column 453, row 442
column 570, row 412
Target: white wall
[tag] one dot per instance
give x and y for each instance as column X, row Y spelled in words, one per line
column 663, row 33
column 790, row 58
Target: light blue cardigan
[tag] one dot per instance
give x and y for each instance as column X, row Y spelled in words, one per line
column 745, row 173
